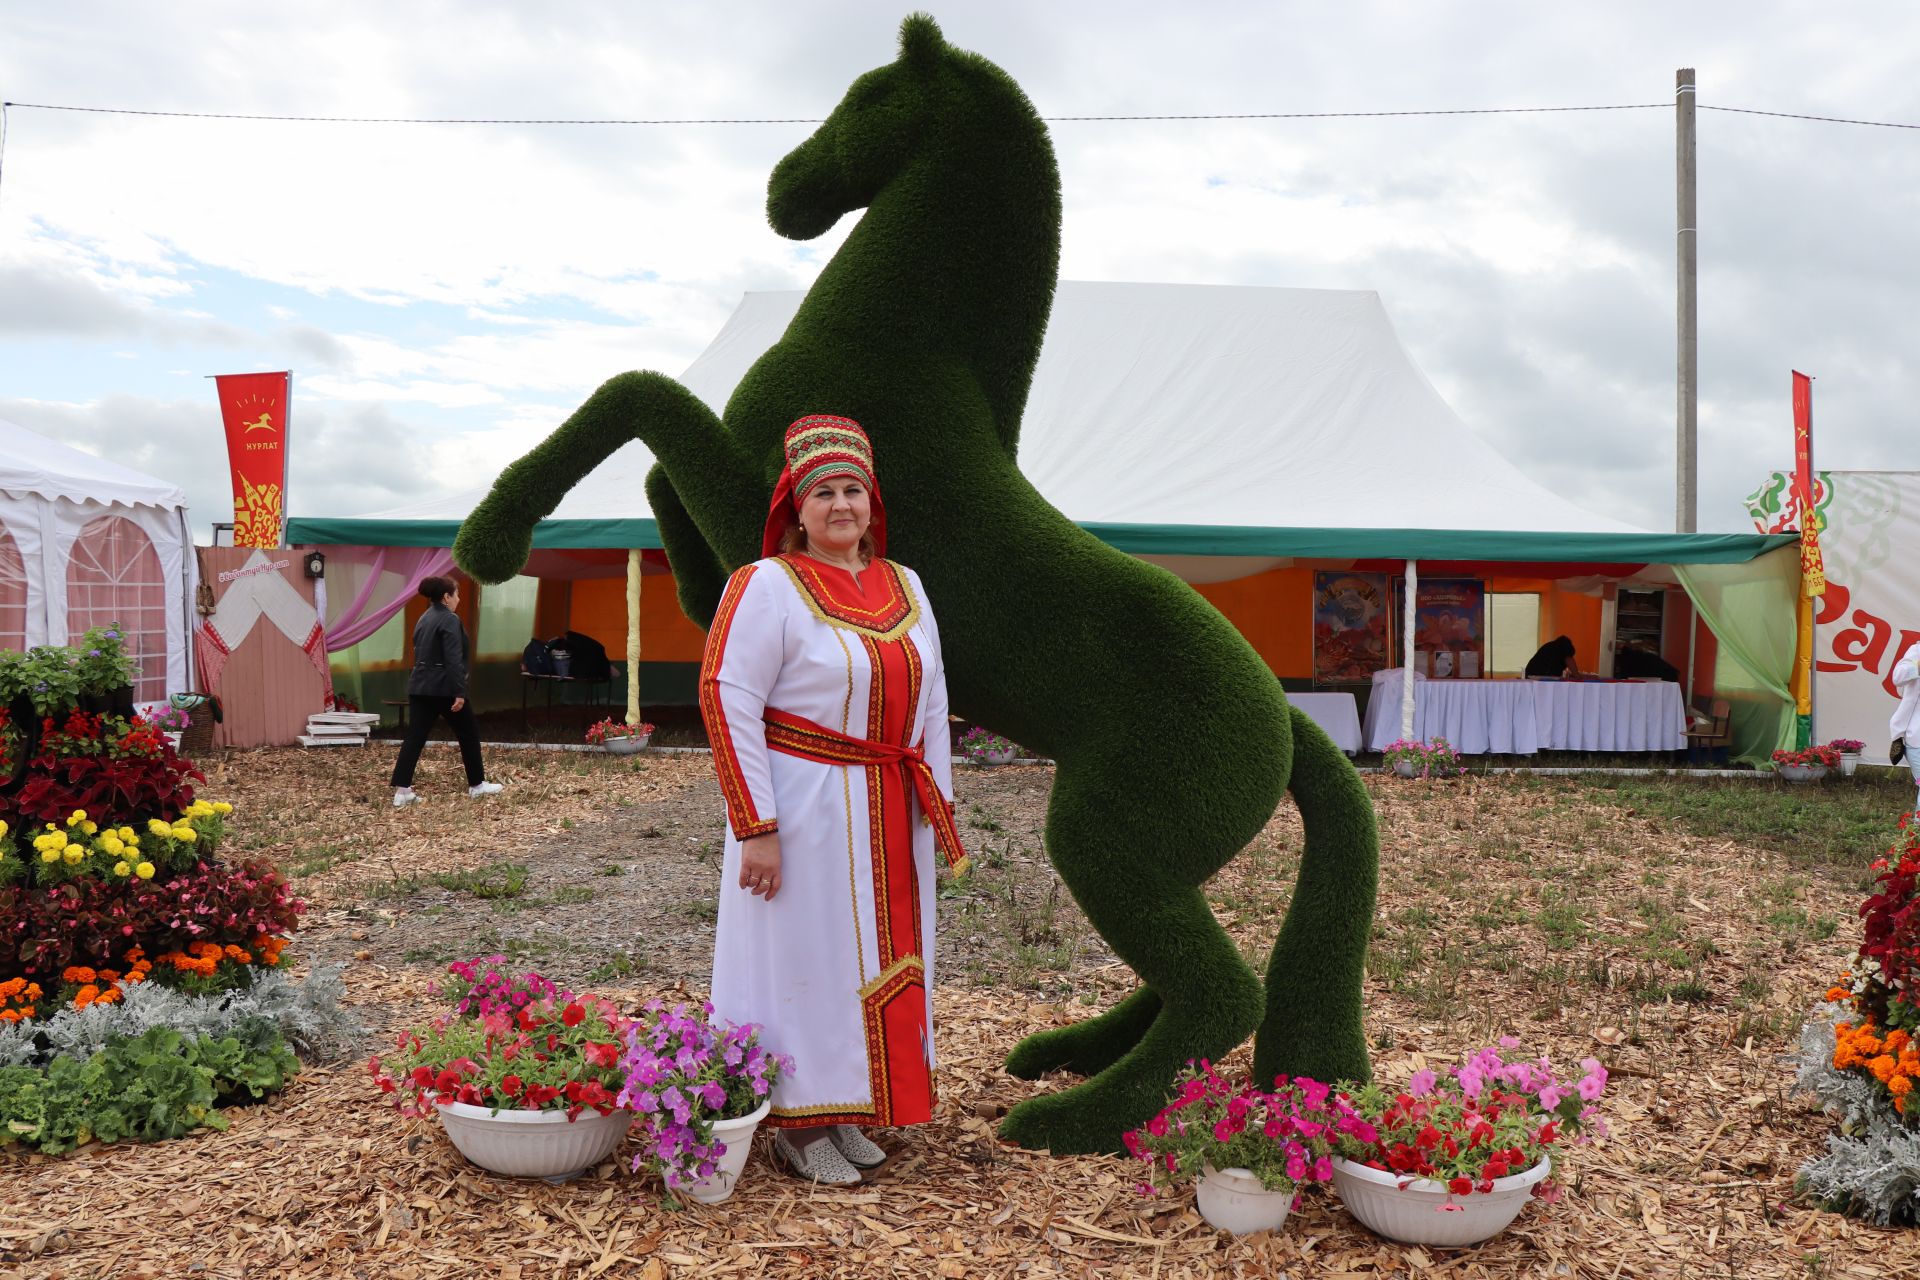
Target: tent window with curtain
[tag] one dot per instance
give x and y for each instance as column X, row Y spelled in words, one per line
column 114, row 577
column 13, row 594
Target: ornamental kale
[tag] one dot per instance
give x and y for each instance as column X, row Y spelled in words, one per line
column 683, row 1072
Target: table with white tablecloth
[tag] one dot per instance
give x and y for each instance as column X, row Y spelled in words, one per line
column 1521, row 717
column 1337, row 713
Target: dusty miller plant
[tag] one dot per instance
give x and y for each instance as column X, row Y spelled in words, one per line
column 308, row 1013
column 1872, row 1166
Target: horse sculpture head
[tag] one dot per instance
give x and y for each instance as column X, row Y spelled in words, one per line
column 867, row 140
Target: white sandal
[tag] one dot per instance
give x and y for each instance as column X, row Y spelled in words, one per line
column 820, row 1161
column 861, row 1151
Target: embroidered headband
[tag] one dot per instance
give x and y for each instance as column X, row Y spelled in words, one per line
column 819, row 447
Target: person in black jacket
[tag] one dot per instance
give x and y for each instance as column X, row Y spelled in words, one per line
column 1554, row 659
column 438, row 687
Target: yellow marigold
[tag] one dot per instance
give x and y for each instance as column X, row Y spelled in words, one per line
column 113, row 845
column 79, row 816
column 126, row 833
column 144, row 871
column 185, row 834
column 121, row 868
column 90, row 827
column 73, row 853
column 49, row 855
column 157, row 827
column 222, row 808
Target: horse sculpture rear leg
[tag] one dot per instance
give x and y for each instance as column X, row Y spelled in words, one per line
column 1136, row 870
column 1313, row 1021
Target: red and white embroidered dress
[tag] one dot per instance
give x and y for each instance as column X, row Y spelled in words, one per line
column 806, row 666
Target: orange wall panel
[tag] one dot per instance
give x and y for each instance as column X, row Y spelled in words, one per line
column 1274, row 611
column 599, row 609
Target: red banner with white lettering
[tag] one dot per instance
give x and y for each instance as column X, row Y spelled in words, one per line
column 254, row 408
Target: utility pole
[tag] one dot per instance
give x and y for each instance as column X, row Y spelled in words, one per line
column 1687, row 259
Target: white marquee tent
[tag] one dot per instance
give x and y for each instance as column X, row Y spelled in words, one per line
column 85, row 542
column 1303, row 427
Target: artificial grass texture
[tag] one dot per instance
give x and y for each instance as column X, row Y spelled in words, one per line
column 925, row 328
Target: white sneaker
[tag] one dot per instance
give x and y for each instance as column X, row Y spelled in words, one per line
column 485, row 789
column 861, row 1152
column 401, row 799
column 819, row 1162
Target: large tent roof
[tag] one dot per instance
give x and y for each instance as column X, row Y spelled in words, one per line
column 1186, row 420
column 31, row 464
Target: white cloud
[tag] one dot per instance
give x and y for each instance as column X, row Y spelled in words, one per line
column 465, row 286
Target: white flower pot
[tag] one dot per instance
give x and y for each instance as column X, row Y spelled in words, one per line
column 1233, row 1200
column 1802, row 772
column 174, row 738
column 533, row 1144
column 626, row 746
column 996, row 757
column 738, row 1137
column 1405, row 768
column 1849, row 761
column 1423, row 1211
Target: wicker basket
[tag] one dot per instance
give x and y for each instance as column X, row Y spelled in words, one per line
column 203, row 710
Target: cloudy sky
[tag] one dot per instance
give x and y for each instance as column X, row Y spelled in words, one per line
column 447, row 294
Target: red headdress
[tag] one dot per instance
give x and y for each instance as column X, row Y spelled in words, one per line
column 820, row 446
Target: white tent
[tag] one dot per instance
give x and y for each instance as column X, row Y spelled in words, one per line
column 1303, row 429
column 85, row 541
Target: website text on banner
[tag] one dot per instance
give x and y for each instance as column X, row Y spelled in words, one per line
column 254, row 408
column 1870, row 612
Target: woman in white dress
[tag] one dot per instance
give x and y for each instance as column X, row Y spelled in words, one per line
column 1905, row 724
column 825, row 702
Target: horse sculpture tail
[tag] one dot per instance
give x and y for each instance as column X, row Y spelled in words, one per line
column 1313, row 1021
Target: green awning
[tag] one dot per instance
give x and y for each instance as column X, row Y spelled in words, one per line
column 1161, row 540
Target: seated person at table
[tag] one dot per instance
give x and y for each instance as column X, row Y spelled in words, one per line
column 1630, row 661
column 1554, row 659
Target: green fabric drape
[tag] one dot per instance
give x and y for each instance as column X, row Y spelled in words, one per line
column 1750, row 610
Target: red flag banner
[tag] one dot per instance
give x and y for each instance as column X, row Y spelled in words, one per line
column 1813, row 577
column 254, row 408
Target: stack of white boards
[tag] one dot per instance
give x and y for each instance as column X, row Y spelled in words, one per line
column 338, row 729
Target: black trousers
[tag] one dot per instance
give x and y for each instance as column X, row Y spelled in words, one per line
column 422, row 710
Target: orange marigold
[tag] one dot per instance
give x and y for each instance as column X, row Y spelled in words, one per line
column 77, row 973
column 1882, row 1068
column 1900, row 1086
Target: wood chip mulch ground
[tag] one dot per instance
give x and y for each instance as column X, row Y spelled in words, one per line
column 1541, row 909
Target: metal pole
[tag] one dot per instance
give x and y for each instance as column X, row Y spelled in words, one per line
column 633, row 636
column 1407, row 651
column 1687, row 255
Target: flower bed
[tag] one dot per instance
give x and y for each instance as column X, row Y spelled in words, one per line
column 111, row 886
column 1859, row 1058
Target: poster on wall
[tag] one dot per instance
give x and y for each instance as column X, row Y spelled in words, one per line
column 1349, row 626
column 1871, row 610
column 1449, row 626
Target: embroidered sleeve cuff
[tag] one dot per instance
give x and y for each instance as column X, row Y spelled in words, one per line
column 753, row 829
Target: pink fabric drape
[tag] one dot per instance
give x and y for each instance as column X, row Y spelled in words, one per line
column 386, row 578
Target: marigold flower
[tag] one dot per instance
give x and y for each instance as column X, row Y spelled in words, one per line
column 144, row 871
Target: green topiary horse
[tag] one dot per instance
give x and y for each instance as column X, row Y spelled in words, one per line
column 925, row 328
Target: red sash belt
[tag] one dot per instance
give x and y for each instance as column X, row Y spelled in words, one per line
column 797, row 736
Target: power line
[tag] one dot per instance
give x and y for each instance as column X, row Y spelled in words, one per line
column 670, row 121
column 1794, row 115
column 1245, row 115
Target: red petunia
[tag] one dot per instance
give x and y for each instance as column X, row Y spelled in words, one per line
column 573, row 1015
column 512, row 1085
column 1461, row 1186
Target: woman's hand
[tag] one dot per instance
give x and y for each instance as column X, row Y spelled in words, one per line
column 760, row 865
column 457, row 704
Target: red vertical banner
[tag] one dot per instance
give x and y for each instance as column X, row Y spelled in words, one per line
column 1813, row 576
column 254, row 408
